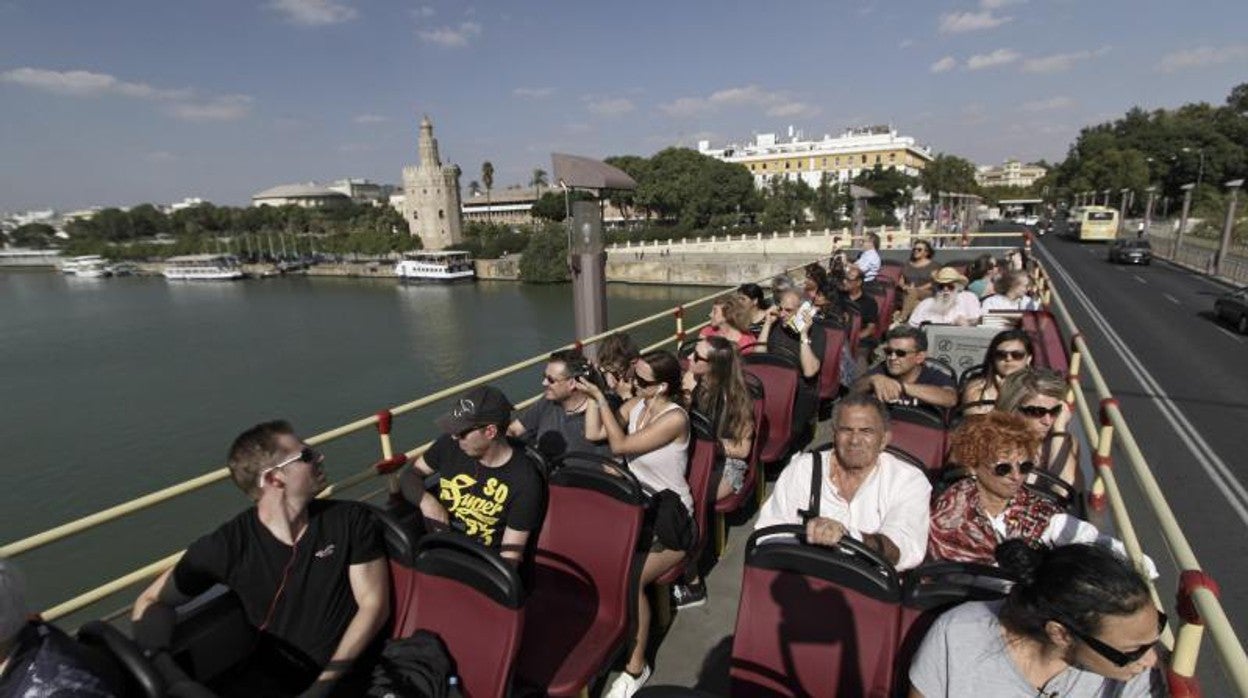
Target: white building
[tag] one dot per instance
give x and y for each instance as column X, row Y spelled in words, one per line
column 310, row 195
column 188, row 202
column 843, row 157
column 1011, row 173
column 361, row 191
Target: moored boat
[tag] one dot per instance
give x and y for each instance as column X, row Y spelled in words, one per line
column 203, row 267
column 87, row 266
column 439, row 266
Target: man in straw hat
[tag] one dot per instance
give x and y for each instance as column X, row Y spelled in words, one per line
column 950, row 303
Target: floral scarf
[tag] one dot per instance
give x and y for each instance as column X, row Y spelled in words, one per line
column 962, row 532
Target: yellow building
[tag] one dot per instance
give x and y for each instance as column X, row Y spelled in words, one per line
column 843, row 157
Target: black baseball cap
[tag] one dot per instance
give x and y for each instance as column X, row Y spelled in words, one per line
column 479, row 406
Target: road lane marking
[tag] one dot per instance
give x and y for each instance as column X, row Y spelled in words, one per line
column 1228, row 333
column 1137, row 278
column 1172, row 299
column 1217, row 470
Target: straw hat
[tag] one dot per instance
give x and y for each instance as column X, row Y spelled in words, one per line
column 948, row 275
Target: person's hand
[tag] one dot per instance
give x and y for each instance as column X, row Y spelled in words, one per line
column 961, row 321
column 886, row 389
column 1063, row 418
column 823, row 531
column 807, row 317
column 688, row 381
column 773, row 314
column 588, row 388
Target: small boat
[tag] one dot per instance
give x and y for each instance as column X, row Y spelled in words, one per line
column 440, row 266
column 124, row 269
column 90, row 266
column 203, row 267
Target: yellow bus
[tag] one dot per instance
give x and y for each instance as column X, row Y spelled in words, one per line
column 1096, row 223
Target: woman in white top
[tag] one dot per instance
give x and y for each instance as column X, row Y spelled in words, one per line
column 656, row 446
column 1017, row 284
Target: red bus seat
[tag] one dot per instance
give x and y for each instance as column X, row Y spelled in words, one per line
column 835, row 338
column 580, row 613
column 890, row 271
column 780, row 376
column 472, row 599
column 814, row 621
column 1050, row 348
column 706, row 455
column 919, row 431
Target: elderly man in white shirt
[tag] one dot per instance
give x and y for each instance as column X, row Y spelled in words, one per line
column 1010, row 304
column 949, row 303
column 865, row 494
column 869, row 260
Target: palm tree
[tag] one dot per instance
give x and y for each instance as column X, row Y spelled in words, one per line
column 474, row 188
column 538, row 181
column 487, row 178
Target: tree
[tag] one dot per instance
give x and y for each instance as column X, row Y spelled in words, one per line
column 690, row 187
column 893, row 189
column 786, row 203
column 552, row 206
column 474, row 188
column 33, row 235
column 948, row 174
column 545, row 259
column 829, row 201
column 639, row 169
column 538, row 180
column 487, row 178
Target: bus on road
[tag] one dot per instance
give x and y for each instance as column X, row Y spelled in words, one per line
column 1094, row 223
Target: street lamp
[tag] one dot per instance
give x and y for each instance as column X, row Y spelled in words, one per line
column 1148, row 208
column 1122, row 211
column 1107, row 192
column 1234, row 185
column 1187, row 205
column 1200, row 172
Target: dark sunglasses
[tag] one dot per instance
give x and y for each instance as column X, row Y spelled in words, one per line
column 945, row 287
column 307, row 454
column 695, row 356
column 899, row 353
column 1004, row 469
column 546, row 378
column 1036, row 411
column 1002, row 355
column 643, row 383
column 1115, row 656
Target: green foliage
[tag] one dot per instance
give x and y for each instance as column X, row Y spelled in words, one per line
column 948, row 174
column 545, row 259
column 552, row 206
column 893, row 190
column 786, row 202
column 493, row 240
column 33, row 235
column 690, row 187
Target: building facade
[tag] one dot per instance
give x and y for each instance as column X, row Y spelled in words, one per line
column 308, row 195
column 842, row 158
column 431, row 195
column 1011, row 173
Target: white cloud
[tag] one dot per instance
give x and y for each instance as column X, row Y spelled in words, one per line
column 773, row 103
column 1061, row 62
column 1001, row 56
column 1202, row 56
column 609, row 106
column 424, row 12
column 160, row 157
column 314, row 13
column 997, row 4
column 370, row 119
column 451, row 37
column 905, row 43
column 959, row 22
column 227, row 108
column 944, row 65
column 1049, row 104
column 532, row 92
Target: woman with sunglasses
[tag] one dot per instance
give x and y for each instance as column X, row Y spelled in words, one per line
column 1039, row 396
column 655, row 444
column 1078, row 623
column 1008, row 353
column 916, row 276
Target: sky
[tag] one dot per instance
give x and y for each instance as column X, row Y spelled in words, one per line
column 128, row 101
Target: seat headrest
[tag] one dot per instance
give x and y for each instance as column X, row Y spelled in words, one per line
column 454, row 556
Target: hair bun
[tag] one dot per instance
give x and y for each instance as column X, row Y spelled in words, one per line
column 1020, row 560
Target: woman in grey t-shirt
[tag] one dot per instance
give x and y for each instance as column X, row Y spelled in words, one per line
column 1078, row 624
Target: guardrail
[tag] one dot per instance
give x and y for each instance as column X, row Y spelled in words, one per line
column 1198, row 604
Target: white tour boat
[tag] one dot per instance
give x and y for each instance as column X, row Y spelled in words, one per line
column 90, row 266
column 203, row 267
column 442, row 266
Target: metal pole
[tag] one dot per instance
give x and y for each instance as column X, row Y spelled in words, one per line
column 1225, row 247
column 1122, row 211
column 1187, row 205
column 1148, row 209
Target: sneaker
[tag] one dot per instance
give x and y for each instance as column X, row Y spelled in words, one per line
column 688, row 595
column 625, row 685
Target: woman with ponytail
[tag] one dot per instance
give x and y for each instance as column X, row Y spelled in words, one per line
column 1078, row 622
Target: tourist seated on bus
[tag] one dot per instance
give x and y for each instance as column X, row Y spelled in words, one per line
column 863, row 492
column 38, row 659
column 1014, row 298
column 716, row 392
column 616, row 356
column 555, row 424
column 757, row 304
column 983, row 273
column 903, row 378
column 730, row 318
column 868, row 310
column 1008, row 353
column 949, row 304
column 655, row 443
column 1079, row 623
column 816, row 278
column 781, row 283
column 488, row 488
column 1039, row 395
column 787, row 332
column 869, row 259
column 311, row 574
column 976, row 513
column 915, row 283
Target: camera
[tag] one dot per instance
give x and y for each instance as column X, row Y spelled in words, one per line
column 590, row 372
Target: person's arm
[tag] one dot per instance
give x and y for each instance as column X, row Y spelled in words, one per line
column 433, row 510
column 154, row 613
column 515, row 429
column 370, row 585
column 884, row 387
column 769, row 319
column 936, row 395
column 1064, row 529
column 974, row 388
column 740, row 446
column 781, row 507
column 867, row 330
column 806, row 352
column 514, row 542
column 902, row 538
column 422, row 466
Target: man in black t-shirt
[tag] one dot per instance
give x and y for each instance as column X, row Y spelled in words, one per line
column 311, row 574
column 903, row 378
column 851, row 285
column 492, row 490
column 555, row 424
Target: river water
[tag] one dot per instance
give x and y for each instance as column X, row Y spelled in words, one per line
column 111, row 388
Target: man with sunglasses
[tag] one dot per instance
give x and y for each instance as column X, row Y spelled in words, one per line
column 949, row 304
column 311, row 574
column 487, row 487
column 555, row 424
column 903, row 378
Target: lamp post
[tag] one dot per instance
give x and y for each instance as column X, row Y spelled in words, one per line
column 1122, row 211
column 1187, row 205
column 1234, row 185
column 1148, row 209
column 1107, row 193
column 1200, row 172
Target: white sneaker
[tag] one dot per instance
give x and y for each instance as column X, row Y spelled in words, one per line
column 625, row 685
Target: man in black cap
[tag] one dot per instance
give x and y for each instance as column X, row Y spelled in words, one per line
column 486, row 487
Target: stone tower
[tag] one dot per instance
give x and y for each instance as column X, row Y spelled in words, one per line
column 431, row 196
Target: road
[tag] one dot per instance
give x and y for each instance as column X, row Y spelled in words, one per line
column 1182, row 382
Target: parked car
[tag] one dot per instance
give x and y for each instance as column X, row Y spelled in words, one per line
column 1233, row 307
column 1131, row 252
